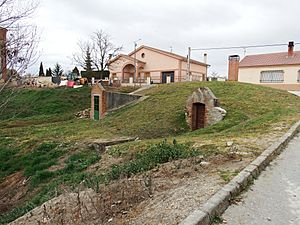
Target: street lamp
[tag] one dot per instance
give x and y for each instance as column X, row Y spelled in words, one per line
column 188, row 71
column 135, row 64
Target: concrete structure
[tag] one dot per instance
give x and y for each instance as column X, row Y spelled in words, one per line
column 158, row 65
column 3, row 72
column 203, row 109
column 277, row 70
column 98, row 102
column 103, row 101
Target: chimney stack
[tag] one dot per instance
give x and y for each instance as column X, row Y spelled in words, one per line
column 205, row 58
column 233, row 67
column 3, row 71
column 291, row 48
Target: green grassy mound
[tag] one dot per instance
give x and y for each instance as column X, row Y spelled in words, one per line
column 38, row 131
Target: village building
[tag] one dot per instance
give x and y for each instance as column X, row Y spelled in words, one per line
column 155, row 66
column 3, row 72
column 278, row 70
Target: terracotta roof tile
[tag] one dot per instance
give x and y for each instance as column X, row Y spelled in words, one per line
column 170, row 54
column 126, row 56
column 271, row 59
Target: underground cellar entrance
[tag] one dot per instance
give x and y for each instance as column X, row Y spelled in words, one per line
column 198, row 116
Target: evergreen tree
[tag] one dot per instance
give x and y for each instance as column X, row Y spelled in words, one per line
column 76, row 71
column 50, row 72
column 88, row 61
column 41, row 72
column 57, row 71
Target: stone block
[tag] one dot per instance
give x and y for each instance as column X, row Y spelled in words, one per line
column 198, row 217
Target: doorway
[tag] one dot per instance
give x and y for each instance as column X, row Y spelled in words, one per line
column 96, row 107
column 198, row 116
column 164, row 76
column 128, row 71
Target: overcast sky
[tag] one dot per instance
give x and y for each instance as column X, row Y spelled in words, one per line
column 167, row 23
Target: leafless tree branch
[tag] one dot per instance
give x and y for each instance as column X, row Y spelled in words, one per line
column 79, row 57
column 101, row 47
column 22, row 38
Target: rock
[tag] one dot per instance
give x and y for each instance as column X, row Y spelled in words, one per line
column 229, row 143
column 204, row 163
column 83, row 114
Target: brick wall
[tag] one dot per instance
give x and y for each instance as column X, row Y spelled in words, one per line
column 233, row 67
column 3, row 71
column 109, row 101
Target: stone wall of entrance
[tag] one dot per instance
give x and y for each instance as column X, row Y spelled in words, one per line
column 109, row 101
column 203, row 109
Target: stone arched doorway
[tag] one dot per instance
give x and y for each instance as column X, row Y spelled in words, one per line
column 127, row 72
column 203, row 109
column 198, row 116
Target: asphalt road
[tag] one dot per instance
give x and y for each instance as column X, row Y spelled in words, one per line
column 274, row 199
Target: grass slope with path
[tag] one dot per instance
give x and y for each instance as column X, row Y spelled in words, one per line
column 43, row 144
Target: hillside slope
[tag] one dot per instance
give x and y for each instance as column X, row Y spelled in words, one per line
column 43, row 143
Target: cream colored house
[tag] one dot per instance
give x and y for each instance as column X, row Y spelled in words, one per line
column 155, row 65
column 278, row 70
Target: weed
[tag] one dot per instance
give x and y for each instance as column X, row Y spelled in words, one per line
column 156, row 154
column 227, row 175
column 217, row 220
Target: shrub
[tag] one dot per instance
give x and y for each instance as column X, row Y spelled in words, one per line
column 156, row 154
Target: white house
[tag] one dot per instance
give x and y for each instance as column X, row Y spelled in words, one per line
column 278, row 70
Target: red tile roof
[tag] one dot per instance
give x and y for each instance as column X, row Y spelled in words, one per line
column 125, row 56
column 271, row 59
column 183, row 58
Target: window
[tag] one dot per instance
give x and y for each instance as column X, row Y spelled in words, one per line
column 298, row 78
column 272, row 76
column 143, row 55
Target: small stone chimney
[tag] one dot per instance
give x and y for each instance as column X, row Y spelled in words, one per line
column 3, row 72
column 233, row 67
column 291, row 48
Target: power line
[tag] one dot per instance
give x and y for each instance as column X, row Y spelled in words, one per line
column 240, row 47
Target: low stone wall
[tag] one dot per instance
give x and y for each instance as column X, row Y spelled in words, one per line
column 108, row 101
column 115, row 100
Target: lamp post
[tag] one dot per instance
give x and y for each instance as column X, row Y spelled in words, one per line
column 135, row 64
column 188, row 64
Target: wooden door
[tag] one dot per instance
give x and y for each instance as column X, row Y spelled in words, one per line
column 198, row 116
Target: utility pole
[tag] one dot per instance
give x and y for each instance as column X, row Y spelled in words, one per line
column 135, row 64
column 188, row 64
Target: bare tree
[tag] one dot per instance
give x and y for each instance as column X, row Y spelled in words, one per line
column 18, row 48
column 101, row 48
column 15, row 11
column 83, row 57
column 22, row 37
